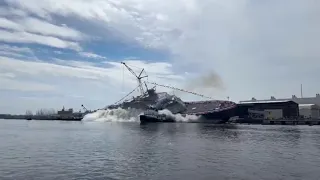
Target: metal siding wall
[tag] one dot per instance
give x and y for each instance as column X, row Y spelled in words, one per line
column 315, row 113
column 290, row 109
column 286, row 112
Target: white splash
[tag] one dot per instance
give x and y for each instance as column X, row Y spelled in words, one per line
column 179, row 117
column 132, row 115
column 113, row 115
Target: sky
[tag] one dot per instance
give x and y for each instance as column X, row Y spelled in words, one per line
column 56, row 53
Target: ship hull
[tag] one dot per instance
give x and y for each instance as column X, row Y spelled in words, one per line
column 220, row 117
column 151, row 119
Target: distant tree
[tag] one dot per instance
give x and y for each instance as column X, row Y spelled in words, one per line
column 29, row 113
column 39, row 112
column 51, row 111
column 44, row 112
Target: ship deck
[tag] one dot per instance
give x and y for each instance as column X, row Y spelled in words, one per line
column 203, row 107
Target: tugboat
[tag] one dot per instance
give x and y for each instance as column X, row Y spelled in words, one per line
column 150, row 102
column 151, row 116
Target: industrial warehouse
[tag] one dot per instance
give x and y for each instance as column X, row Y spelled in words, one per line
column 298, row 109
column 269, row 109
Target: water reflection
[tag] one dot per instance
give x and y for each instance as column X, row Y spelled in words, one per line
column 226, row 131
column 157, row 151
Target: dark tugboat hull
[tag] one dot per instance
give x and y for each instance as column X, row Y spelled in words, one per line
column 152, row 119
column 220, row 117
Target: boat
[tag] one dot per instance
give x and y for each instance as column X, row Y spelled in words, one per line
column 151, row 116
column 151, row 103
column 217, row 112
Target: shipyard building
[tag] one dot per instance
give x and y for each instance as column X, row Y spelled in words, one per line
column 268, row 109
column 307, row 107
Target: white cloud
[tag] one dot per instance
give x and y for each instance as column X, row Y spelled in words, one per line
column 58, row 52
column 8, row 11
column 8, row 83
column 17, row 49
column 7, row 75
column 91, row 55
column 45, row 28
column 32, row 30
column 258, row 49
column 237, row 39
column 40, row 68
column 113, row 73
column 10, row 53
column 24, row 37
column 7, row 24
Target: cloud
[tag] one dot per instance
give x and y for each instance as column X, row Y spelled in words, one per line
column 34, row 25
column 91, row 55
column 9, row 11
column 11, row 84
column 254, row 47
column 41, row 68
column 7, row 75
column 130, row 18
column 113, row 72
column 18, row 52
column 17, row 49
column 33, row 30
column 215, row 32
column 24, row 37
column 9, row 81
column 7, row 24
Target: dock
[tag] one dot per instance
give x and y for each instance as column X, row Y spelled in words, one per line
column 278, row 121
column 291, row 122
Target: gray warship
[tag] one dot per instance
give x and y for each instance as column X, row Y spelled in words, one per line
column 150, row 102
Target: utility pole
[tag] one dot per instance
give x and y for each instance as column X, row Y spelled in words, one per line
column 301, row 91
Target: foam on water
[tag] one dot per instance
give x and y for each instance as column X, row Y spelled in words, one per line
column 179, row 117
column 132, row 115
column 114, row 115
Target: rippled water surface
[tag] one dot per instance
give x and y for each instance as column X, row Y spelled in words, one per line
column 97, row 150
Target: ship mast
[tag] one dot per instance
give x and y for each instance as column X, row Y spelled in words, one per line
column 139, row 77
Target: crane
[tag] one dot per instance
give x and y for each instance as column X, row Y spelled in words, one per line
column 85, row 109
column 139, row 77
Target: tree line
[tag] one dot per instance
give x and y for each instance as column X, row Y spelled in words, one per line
column 42, row 112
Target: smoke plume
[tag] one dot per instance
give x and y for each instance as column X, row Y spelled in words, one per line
column 210, row 80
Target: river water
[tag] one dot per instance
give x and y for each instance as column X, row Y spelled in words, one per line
column 112, row 150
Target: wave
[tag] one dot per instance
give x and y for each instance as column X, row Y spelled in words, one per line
column 114, row 115
column 179, row 117
column 132, row 115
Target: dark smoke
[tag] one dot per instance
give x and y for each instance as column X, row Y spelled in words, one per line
column 206, row 81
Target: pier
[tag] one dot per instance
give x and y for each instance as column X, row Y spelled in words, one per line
column 291, row 122
column 278, row 121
